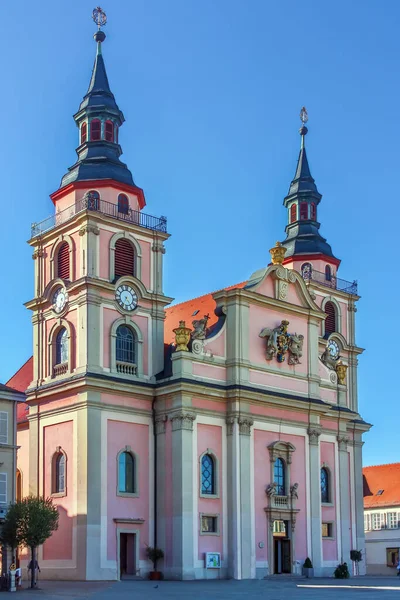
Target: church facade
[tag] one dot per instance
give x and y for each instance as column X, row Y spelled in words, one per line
column 224, row 430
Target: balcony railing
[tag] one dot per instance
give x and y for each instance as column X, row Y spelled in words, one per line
column 91, row 203
column 350, row 287
column 280, row 501
column 126, row 368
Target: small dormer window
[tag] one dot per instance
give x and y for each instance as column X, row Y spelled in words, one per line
column 109, row 131
column 83, row 133
column 303, row 211
column 328, row 273
column 95, row 130
column 313, row 212
column 293, row 213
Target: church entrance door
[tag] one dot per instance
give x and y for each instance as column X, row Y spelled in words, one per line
column 127, row 558
column 282, row 562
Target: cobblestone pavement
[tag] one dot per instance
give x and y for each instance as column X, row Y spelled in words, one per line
column 272, row 588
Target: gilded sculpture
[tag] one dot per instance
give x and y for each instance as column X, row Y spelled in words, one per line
column 341, row 370
column 278, row 253
column 280, row 343
column 182, row 337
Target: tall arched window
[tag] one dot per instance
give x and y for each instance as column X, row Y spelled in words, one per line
column 293, row 213
column 59, row 474
column 93, row 200
column 325, row 492
column 83, row 133
column 330, row 321
column 303, row 211
column 95, row 130
column 123, row 204
column 124, row 258
column 279, row 477
column 306, row 271
column 61, row 347
column 207, row 475
column 313, row 211
column 328, row 273
column 126, row 473
column 109, row 131
column 63, row 261
column 125, row 345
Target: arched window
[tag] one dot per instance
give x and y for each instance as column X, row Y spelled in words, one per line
column 109, row 131
column 313, row 212
column 59, row 475
column 93, row 200
column 126, row 473
column 124, row 258
column 62, row 347
column 116, row 134
column 306, row 271
column 63, row 261
column 325, row 492
column 95, row 130
column 293, row 213
column 207, row 475
column 18, row 491
column 303, row 211
column 328, row 273
column 125, row 345
column 123, row 204
column 279, row 477
column 83, row 133
column 330, row 321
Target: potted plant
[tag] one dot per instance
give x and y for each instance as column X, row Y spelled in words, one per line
column 154, row 554
column 308, row 569
column 356, row 557
column 342, row 571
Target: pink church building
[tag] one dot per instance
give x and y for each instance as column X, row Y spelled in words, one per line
column 224, row 430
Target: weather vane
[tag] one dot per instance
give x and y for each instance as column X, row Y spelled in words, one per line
column 99, row 17
column 303, row 115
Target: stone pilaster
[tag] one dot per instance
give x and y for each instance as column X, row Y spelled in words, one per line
column 344, row 500
column 182, row 495
column 314, row 467
column 359, row 502
column 313, row 360
column 241, row 557
column 161, row 426
column 158, row 252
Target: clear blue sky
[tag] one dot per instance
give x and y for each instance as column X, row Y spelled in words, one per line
column 211, row 93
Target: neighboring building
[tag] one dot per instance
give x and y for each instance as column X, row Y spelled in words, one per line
column 239, row 436
column 382, row 518
column 10, row 479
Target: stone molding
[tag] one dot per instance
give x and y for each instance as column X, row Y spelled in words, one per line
column 161, row 424
column 88, row 228
column 230, row 423
column 245, row 424
column 343, row 440
column 314, row 432
column 38, row 253
column 158, row 247
column 182, row 420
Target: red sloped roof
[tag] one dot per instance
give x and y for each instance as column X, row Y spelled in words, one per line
column 205, row 305
column 20, row 381
column 385, row 478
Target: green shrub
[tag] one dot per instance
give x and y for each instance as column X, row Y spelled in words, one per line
column 342, row 571
column 308, row 563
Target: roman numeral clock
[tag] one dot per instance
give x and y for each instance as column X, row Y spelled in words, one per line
column 126, row 297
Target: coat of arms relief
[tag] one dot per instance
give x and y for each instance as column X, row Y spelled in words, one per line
column 280, row 343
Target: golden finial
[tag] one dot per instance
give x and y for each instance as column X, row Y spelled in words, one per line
column 182, row 337
column 341, row 370
column 278, row 253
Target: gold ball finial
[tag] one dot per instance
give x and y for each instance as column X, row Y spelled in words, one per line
column 278, row 253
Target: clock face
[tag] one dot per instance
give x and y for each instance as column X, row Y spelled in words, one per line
column 333, row 349
column 60, row 299
column 126, row 297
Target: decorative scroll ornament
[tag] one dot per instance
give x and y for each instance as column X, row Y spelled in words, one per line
column 182, row 337
column 341, row 370
column 304, row 115
column 278, row 253
column 280, row 342
column 99, row 17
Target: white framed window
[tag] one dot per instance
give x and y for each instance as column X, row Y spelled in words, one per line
column 367, row 522
column 376, row 520
column 392, row 520
column 3, row 427
column 3, row 488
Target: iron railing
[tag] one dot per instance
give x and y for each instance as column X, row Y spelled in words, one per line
column 89, row 202
column 350, row 287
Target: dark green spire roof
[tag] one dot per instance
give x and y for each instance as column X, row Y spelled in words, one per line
column 302, row 231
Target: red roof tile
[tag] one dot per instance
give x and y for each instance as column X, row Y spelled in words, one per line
column 185, row 311
column 385, row 478
column 20, row 381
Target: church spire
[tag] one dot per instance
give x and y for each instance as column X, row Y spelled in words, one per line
column 302, row 230
column 98, row 119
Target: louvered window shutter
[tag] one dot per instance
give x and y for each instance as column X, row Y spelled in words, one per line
column 124, row 258
column 3, row 427
column 63, row 261
column 3, row 488
column 330, row 321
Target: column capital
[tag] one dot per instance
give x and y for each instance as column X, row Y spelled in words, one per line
column 314, row 431
column 230, row 423
column 182, row 420
column 343, row 440
column 161, row 423
column 245, row 425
